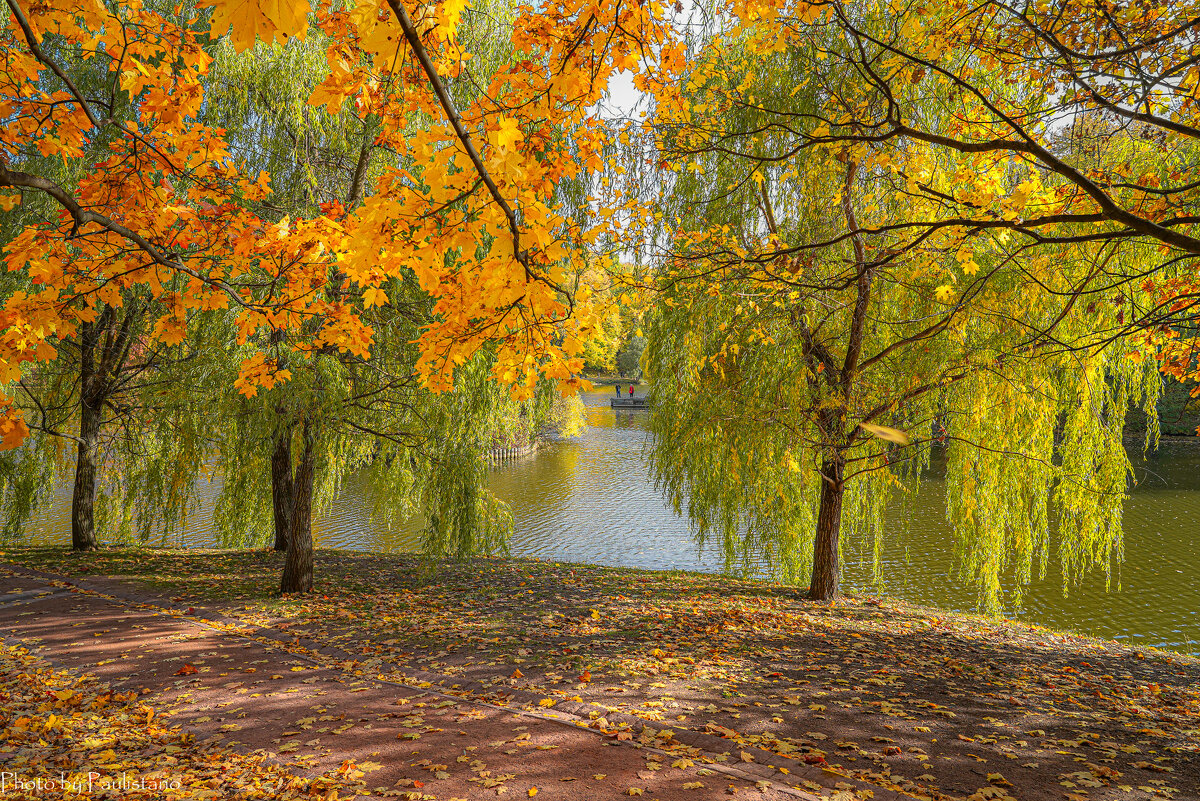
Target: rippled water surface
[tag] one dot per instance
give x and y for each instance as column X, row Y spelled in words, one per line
column 590, row 500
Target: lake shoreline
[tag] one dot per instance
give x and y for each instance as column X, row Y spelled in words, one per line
column 57, row 559
column 592, row 500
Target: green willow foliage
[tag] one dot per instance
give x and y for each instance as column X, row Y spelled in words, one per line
column 153, row 444
column 1031, row 449
column 412, row 453
column 1007, row 372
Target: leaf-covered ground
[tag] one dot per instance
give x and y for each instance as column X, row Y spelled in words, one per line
column 878, row 693
column 235, row 689
column 67, row 736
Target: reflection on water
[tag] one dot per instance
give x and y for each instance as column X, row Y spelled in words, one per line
column 1154, row 596
column 591, row 500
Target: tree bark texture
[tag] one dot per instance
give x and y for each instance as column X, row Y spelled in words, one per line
column 826, row 576
column 298, row 567
column 104, row 347
column 281, row 489
column 83, row 497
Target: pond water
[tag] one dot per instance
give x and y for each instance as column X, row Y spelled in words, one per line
column 590, row 499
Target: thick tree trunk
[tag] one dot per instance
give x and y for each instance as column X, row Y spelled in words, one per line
column 83, row 498
column 104, row 347
column 826, row 577
column 298, row 568
column 827, row 568
column 281, row 489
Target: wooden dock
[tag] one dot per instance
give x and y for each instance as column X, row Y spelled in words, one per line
column 629, row 403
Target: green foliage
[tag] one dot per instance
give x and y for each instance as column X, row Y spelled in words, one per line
column 260, row 97
column 629, row 357
column 1178, row 413
column 600, row 352
column 153, row 445
column 27, row 478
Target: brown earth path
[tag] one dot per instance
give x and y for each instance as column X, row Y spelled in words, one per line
column 254, row 690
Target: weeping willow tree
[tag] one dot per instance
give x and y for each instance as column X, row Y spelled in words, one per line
column 112, row 425
column 116, row 417
column 808, row 350
column 415, row 453
column 283, row 453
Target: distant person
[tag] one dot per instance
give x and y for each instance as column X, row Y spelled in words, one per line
column 631, row 391
column 618, row 390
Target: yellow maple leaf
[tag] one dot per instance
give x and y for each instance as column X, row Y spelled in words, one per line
column 450, row 13
column 382, row 37
column 247, row 20
column 374, row 296
column 506, row 133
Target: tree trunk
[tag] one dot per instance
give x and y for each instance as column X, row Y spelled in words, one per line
column 358, row 180
column 104, row 348
column 281, row 489
column 83, row 498
column 298, row 568
column 826, row 577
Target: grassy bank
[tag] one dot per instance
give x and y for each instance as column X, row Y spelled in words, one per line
column 930, row 702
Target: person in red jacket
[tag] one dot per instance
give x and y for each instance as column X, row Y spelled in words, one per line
column 631, row 391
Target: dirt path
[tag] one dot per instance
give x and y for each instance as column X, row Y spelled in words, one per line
column 254, row 692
